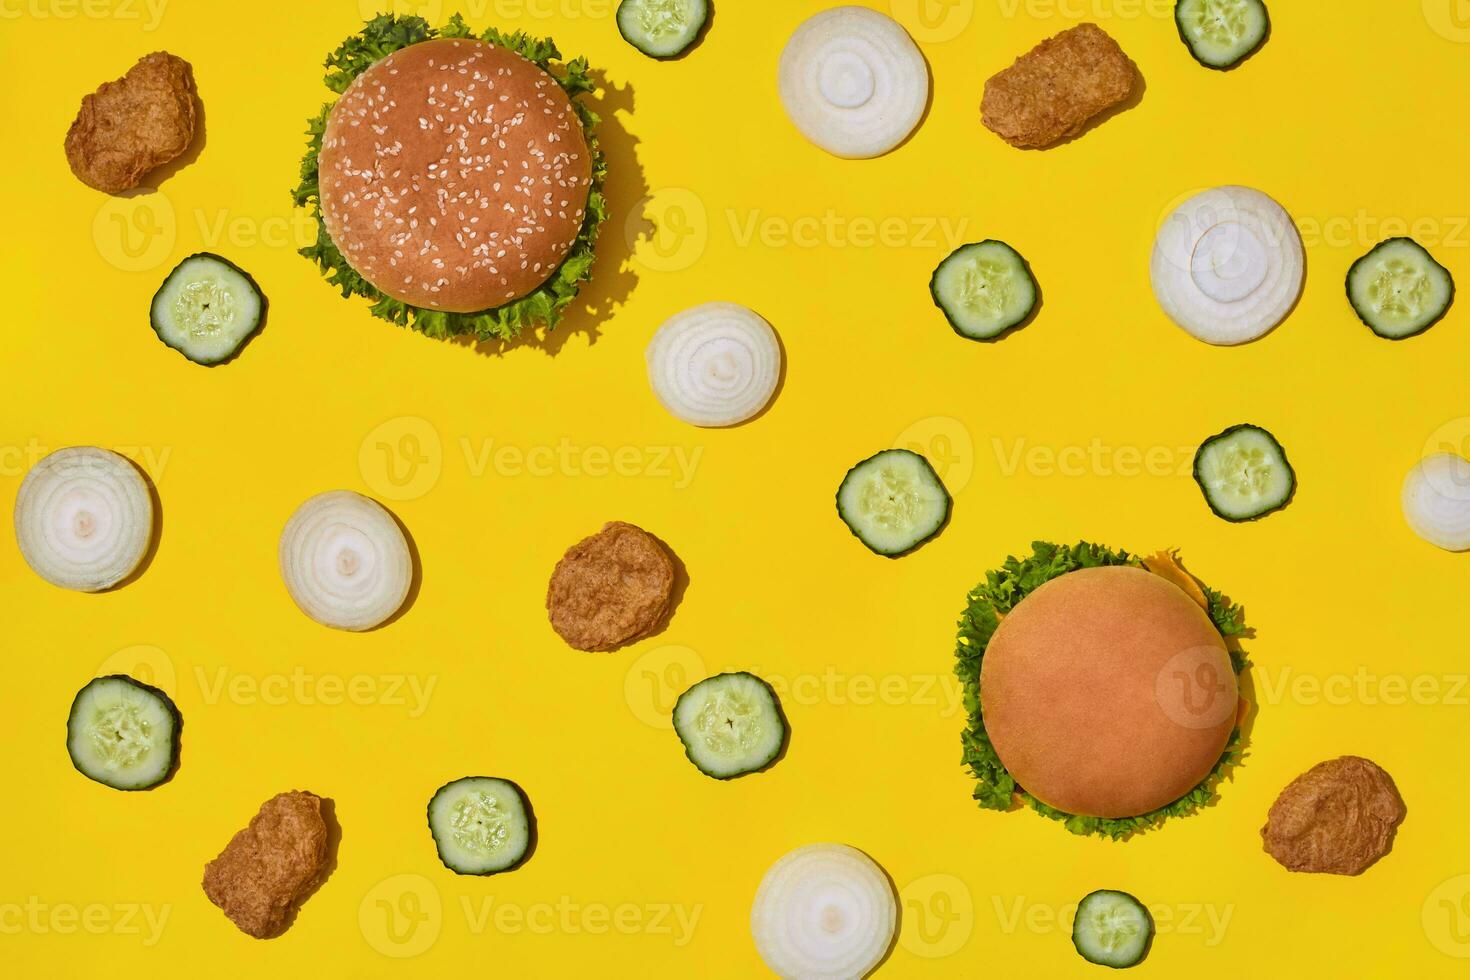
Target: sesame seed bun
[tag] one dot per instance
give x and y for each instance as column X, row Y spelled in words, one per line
column 454, row 175
column 1108, row 692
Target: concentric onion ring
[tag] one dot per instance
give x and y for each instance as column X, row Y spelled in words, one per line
column 853, row 82
column 1436, row 501
column 824, row 911
column 83, row 518
column 715, row 364
column 345, row 561
column 1228, row 265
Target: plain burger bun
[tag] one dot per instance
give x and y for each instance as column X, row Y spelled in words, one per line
column 1108, row 692
column 454, row 175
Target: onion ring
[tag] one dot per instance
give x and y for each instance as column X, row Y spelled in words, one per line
column 853, row 82
column 83, row 518
column 345, row 561
column 1228, row 265
column 714, row 365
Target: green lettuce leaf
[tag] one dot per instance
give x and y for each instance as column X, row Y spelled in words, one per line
column 379, row 38
column 995, row 789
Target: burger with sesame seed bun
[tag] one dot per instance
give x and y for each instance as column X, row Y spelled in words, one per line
column 456, row 181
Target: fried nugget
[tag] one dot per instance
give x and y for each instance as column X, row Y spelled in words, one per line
column 271, row 866
column 133, row 125
column 1051, row 93
column 611, row 588
column 1336, row 818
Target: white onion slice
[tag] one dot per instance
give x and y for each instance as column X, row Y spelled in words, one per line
column 345, row 561
column 824, row 912
column 83, row 518
column 853, row 82
column 715, row 364
column 1228, row 265
column 1436, row 501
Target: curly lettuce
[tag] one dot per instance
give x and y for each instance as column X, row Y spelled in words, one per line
column 379, row 38
column 995, row 788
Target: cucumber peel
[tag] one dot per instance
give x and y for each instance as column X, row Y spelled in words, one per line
column 893, row 502
column 984, row 289
column 1220, row 34
column 207, row 309
column 731, row 724
column 1112, row 928
column 1398, row 289
column 123, row 733
column 1244, row 473
column 662, row 29
column 481, row 825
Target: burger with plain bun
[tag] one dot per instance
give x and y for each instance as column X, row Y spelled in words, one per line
column 1101, row 688
column 456, row 180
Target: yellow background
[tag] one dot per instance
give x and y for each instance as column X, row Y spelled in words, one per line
column 1353, row 119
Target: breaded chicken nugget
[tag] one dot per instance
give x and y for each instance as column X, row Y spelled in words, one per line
column 611, row 588
column 270, row 867
column 133, row 125
column 1336, row 818
column 1051, row 92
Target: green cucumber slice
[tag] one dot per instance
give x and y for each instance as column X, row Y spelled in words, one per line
column 481, row 825
column 207, row 308
column 662, row 28
column 893, row 502
column 1244, row 474
column 984, row 289
column 1112, row 929
column 1222, row 33
column 123, row 733
column 1399, row 290
column 730, row 725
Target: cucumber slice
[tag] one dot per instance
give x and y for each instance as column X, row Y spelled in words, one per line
column 1222, row 33
column 1112, row 929
column 1399, row 290
column 984, row 289
column 207, row 308
column 730, row 725
column 481, row 825
column 662, row 28
column 893, row 502
column 123, row 733
column 1244, row 473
